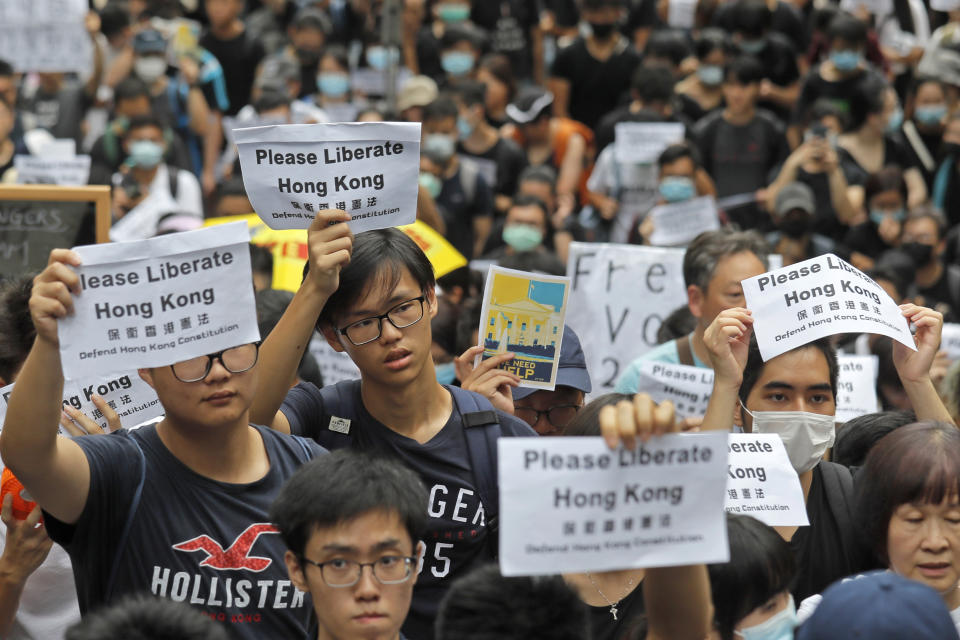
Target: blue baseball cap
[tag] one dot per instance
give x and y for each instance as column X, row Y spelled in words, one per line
column 149, row 41
column 879, row 606
column 572, row 370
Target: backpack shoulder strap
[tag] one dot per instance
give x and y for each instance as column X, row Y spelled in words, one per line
column 173, row 175
column 838, row 486
column 685, row 351
column 131, row 515
column 953, row 285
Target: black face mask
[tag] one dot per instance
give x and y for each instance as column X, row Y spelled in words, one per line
column 920, row 253
column 795, row 226
column 950, row 149
column 603, row 30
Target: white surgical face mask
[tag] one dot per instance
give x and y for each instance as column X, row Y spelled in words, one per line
column 778, row 627
column 149, row 68
column 806, row 436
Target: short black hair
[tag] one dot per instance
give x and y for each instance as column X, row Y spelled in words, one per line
column 378, row 258
column 587, row 420
column 752, row 18
column 487, row 606
column 114, row 18
column 709, row 40
column 456, row 33
column 472, row 93
column 528, row 200
column 678, row 324
column 744, row 70
column 916, row 463
column 652, row 84
column 755, row 365
column 146, row 617
column 16, row 327
column 261, row 260
column 542, row 173
column 343, row 485
column 890, row 178
column 6, row 69
column 857, row 436
column 847, row 28
column 443, row 106
column 761, row 566
column 534, row 262
column 130, row 88
column 668, row 43
column 468, row 322
column 677, row 151
column 145, row 120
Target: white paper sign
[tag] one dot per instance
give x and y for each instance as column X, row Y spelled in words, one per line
column 335, row 366
column 819, row 297
column 687, row 387
column 678, row 224
column 154, row 302
column 856, row 386
column 45, row 35
column 368, row 169
column 619, row 296
column 572, row 505
column 681, row 13
column 73, row 171
column 133, row 399
column 643, row 142
column 950, row 340
column 945, row 5
column 761, row 483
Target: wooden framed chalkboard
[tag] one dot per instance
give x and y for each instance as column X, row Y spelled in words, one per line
column 37, row 218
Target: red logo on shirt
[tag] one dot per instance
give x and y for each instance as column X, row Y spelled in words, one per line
column 237, row 555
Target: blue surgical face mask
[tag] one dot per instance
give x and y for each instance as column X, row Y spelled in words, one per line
column 439, row 146
column 930, row 115
column 896, row 119
column 453, row 12
column 464, row 128
column 778, row 627
column 753, row 47
column 845, row 60
column 877, row 215
column 431, row 183
column 333, row 83
column 446, row 373
column 677, row 188
column 457, row 63
column 710, row 75
column 146, row 154
column 377, row 57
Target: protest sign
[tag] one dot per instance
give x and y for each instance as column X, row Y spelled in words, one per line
column 950, row 340
column 523, row 314
column 761, row 483
column 335, row 366
column 572, row 504
column 368, row 169
column 133, row 399
column 619, row 296
column 681, row 13
column 688, row 388
column 73, row 171
column 856, row 386
column 155, row 302
column 45, row 35
column 441, row 254
column 679, row 223
column 37, row 218
column 819, row 297
column 643, row 142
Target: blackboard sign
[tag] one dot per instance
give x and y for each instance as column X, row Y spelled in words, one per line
column 34, row 219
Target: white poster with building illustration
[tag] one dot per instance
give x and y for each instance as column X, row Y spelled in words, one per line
column 523, row 314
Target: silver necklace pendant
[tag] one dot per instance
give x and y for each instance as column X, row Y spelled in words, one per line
column 613, row 611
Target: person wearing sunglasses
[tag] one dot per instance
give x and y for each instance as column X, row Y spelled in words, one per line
column 178, row 508
column 351, row 522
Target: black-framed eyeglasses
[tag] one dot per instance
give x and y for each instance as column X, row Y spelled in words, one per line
column 408, row 312
column 558, row 415
column 339, row 573
column 235, row 360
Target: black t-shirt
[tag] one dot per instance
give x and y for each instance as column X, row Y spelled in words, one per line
column 428, row 53
column 500, row 165
column 596, row 86
column 459, row 204
column 822, row 555
column 865, row 238
column 841, row 93
column 894, row 153
column 825, row 217
column 629, row 609
column 779, row 61
column 943, row 295
column 61, row 113
column 457, row 535
column 508, row 23
column 208, row 544
column 239, row 58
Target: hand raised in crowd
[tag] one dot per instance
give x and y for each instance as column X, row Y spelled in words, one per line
column 728, row 341
column 889, row 230
column 330, row 243
column 914, row 366
column 487, row 379
column 626, row 421
column 52, row 296
column 76, row 423
column 27, row 543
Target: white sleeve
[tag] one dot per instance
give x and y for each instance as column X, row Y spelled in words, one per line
column 189, row 197
column 807, row 607
column 921, row 22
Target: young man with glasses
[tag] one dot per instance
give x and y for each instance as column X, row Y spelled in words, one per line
column 372, row 297
column 179, row 508
column 351, row 522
